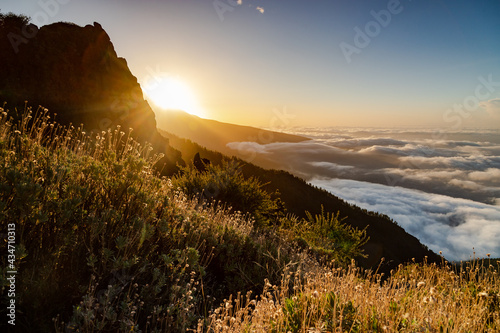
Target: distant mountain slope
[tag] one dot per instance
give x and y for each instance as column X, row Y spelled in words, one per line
column 387, row 239
column 216, row 135
column 75, row 72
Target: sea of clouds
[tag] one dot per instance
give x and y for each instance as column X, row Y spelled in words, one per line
column 443, row 188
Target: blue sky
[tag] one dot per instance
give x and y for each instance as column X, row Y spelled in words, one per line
column 425, row 64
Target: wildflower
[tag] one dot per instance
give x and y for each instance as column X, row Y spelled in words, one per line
column 315, row 294
column 358, row 287
column 420, row 284
column 483, row 294
column 432, row 290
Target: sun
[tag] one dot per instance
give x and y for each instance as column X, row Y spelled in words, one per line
column 172, row 93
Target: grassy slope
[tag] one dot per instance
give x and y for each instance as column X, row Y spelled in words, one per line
column 102, row 244
column 99, row 236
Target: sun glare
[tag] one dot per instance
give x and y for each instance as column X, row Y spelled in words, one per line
column 171, row 93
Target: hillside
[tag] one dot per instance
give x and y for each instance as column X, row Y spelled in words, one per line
column 215, row 135
column 97, row 242
column 387, row 239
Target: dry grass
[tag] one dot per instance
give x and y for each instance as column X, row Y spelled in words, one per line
column 415, row 298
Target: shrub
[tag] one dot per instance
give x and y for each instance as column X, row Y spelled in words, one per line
column 225, row 185
column 326, row 236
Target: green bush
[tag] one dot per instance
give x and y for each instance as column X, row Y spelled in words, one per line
column 326, row 236
column 226, row 185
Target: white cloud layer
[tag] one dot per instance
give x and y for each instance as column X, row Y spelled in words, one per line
column 444, row 187
column 454, row 226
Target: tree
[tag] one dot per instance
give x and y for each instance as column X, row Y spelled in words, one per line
column 12, row 21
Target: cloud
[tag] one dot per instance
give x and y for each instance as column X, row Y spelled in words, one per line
column 489, row 175
column 454, row 226
column 240, row 2
column 442, row 168
column 332, row 166
column 368, row 142
column 260, row 9
column 248, row 147
column 471, row 162
column 492, row 107
column 445, row 191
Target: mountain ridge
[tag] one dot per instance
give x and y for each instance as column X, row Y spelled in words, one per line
column 216, row 134
column 75, row 72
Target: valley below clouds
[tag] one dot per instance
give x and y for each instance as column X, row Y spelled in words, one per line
column 442, row 187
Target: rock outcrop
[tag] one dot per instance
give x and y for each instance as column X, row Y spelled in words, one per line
column 75, row 72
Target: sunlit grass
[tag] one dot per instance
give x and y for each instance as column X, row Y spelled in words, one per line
column 415, row 298
column 105, row 244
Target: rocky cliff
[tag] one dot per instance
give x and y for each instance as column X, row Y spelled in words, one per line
column 75, row 72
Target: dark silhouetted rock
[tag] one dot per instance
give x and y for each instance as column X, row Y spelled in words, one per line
column 75, row 72
column 200, row 163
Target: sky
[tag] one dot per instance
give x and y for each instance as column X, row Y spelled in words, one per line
column 381, row 63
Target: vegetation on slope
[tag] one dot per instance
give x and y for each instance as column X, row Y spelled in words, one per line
column 415, row 298
column 104, row 244
column 386, row 238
